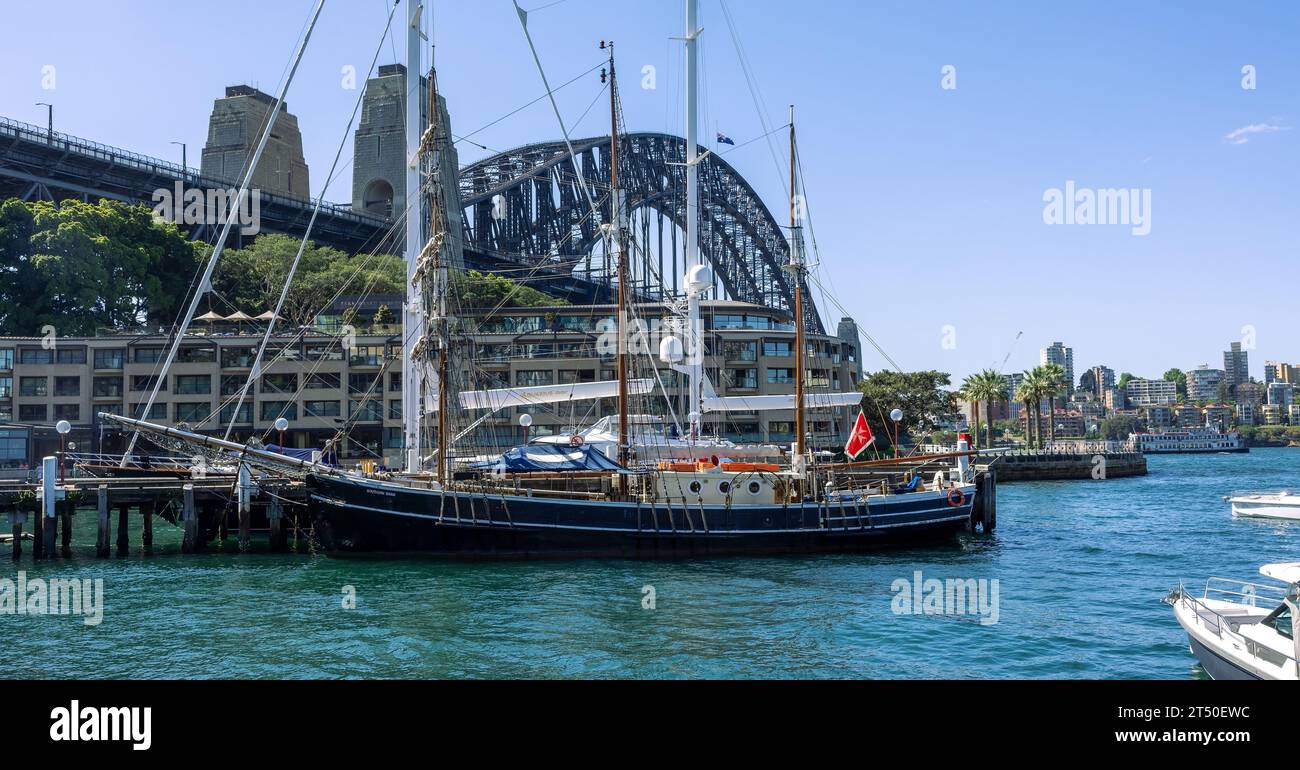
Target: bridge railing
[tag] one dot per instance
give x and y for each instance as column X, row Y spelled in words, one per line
column 118, row 157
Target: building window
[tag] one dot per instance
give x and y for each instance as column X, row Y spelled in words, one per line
column 36, row 356
column 67, row 386
column 743, row 379
column 193, row 412
column 33, row 386
column 147, row 355
column 324, row 351
column 6, row 360
column 573, row 376
column 193, row 384
column 280, row 383
column 740, row 351
column 321, row 409
column 366, row 411
column 527, row 377
column 395, row 382
column 237, row 358
column 395, row 409
column 245, row 414
column 110, row 359
column 274, row 410
column 69, row 412
column 70, row 355
column 6, row 387
column 777, row 348
column 322, row 381
column 145, row 382
column 157, row 413
column 13, row 448
column 367, row 355
column 33, row 413
column 780, row 376
column 196, row 355
column 361, row 384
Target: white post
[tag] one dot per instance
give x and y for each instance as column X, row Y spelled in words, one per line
column 963, row 462
column 49, row 489
column 413, row 310
column 695, row 339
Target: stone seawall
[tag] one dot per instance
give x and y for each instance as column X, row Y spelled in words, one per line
column 1060, row 466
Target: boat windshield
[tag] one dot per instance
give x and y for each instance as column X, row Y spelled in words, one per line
column 1280, row 621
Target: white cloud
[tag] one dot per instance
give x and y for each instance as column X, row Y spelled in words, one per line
column 1242, row 135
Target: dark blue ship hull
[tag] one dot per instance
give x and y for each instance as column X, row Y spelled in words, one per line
column 364, row 516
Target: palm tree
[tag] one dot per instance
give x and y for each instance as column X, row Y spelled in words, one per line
column 991, row 387
column 1054, row 385
column 1033, row 388
column 970, row 390
column 1025, row 394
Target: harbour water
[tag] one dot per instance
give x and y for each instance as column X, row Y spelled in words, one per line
column 1081, row 568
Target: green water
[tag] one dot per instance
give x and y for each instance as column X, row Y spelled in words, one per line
column 1081, row 569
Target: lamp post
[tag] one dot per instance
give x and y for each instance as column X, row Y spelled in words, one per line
column 281, row 425
column 185, row 166
column 63, row 427
column 525, row 422
column 49, row 124
column 897, row 416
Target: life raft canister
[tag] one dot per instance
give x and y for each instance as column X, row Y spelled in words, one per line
column 956, row 498
column 576, row 441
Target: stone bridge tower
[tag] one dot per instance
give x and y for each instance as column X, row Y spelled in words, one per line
column 234, row 130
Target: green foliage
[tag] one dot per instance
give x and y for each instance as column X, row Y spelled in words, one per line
column 489, row 290
column 1118, row 427
column 253, row 277
column 383, row 316
column 1178, row 377
column 919, row 394
column 1124, row 377
column 82, row 266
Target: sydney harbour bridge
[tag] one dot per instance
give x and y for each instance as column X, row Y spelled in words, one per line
column 522, row 210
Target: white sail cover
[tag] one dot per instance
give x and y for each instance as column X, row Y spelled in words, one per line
column 769, row 403
column 532, row 395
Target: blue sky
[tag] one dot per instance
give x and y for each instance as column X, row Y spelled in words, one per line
column 928, row 203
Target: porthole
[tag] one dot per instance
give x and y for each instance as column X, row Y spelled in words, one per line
column 724, row 487
column 695, row 487
column 755, row 487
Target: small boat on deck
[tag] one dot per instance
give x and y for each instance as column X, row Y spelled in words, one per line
column 1242, row 630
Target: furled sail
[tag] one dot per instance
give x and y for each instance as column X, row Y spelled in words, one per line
column 533, row 395
column 768, row 403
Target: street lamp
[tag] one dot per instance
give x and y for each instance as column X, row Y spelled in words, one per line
column 897, row 416
column 64, row 428
column 49, row 136
column 185, row 165
column 525, row 422
column 281, row 425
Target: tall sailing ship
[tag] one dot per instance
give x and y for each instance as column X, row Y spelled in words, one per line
column 623, row 488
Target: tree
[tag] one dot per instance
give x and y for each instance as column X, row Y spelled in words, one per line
column 1177, row 377
column 83, row 266
column 383, row 317
column 1223, row 394
column 920, row 395
column 992, row 388
column 1119, row 427
column 1124, row 377
column 970, row 390
column 1054, row 384
column 487, row 291
column 253, row 277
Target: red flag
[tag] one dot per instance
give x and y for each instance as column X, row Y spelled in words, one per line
column 860, row 438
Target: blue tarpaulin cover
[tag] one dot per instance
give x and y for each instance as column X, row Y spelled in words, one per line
column 299, row 454
column 550, row 458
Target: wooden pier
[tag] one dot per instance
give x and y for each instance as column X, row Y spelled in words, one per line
column 204, row 508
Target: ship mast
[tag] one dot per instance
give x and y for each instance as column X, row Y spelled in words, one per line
column 796, row 270
column 698, row 279
column 616, row 242
column 438, row 226
column 413, row 320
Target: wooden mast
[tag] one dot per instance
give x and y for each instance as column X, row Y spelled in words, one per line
column 616, row 241
column 437, row 228
column 796, row 268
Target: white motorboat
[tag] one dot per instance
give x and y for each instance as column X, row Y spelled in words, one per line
column 1241, row 630
column 1283, row 505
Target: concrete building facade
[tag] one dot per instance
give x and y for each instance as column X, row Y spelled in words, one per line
column 235, row 128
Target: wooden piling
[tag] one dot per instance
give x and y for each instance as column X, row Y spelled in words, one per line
column 68, row 508
column 275, row 515
column 189, row 520
column 18, row 519
column 245, row 525
column 146, row 536
column 123, row 534
column 101, row 508
column 38, row 535
column 51, row 532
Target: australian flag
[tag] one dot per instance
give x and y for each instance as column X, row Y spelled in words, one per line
column 724, row 139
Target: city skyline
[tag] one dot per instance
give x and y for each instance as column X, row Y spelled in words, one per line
column 929, row 196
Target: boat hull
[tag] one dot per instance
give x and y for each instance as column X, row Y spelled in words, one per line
column 1265, row 510
column 358, row 516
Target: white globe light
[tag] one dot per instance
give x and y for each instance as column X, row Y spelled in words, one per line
column 896, row 415
column 525, row 420
column 63, row 427
column 671, row 350
column 281, row 424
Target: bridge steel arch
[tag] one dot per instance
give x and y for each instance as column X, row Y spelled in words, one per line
column 527, row 205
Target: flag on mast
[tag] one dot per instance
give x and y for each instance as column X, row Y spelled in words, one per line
column 859, row 438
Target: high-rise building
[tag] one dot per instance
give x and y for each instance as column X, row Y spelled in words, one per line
column 1057, row 353
column 1097, row 381
column 1270, row 371
column 234, row 130
column 1236, row 366
column 1144, row 393
column 1281, row 394
column 1203, row 383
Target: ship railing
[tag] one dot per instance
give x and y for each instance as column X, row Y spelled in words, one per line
column 1239, row 592
column 1244, row 592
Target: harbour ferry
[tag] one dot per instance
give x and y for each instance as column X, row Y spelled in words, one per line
column 1195, row 441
